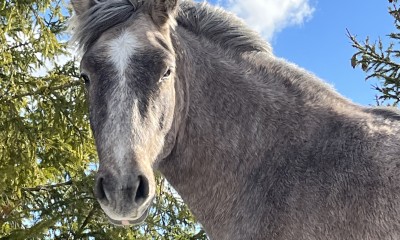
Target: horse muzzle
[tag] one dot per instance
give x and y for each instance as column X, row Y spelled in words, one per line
column 124, row 198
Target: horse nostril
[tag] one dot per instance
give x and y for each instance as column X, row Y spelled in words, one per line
column 99, row 192
column 142, row 191
column 109, row 190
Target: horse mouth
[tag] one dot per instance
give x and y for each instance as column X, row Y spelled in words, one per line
column 130, row 222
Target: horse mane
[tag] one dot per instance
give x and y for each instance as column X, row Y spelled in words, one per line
column 220, row 27
column 215, row 24
column 392, row 114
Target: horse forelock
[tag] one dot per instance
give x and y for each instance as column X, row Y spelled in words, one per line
column 87, row 27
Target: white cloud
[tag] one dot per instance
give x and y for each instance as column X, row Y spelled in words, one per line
column 271, row 16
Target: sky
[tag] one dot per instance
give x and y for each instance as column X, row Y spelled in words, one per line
column 312, row 34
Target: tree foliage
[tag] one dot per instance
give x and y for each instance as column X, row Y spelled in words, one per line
column 47, row 155
column 380, row 62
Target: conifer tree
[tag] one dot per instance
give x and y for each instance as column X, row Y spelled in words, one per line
column 47, row 155
column 380, row 62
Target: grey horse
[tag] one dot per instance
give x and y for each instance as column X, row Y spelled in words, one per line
column 257, row 147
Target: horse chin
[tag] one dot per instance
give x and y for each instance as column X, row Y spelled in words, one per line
column 130, row 222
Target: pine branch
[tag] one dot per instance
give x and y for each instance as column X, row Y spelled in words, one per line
column 85, row 222
column 48, row 187
column 199, row 235
column 18, row 45
column 40, row 91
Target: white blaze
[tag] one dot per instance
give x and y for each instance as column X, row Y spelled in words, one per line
column 124, row 122
column 121, row 49
column 117, row 133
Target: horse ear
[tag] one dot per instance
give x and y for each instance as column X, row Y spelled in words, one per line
column 81, row 6
column 162, row 10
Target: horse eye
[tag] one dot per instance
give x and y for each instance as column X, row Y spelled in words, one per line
column 85, row 77
column 167, row 73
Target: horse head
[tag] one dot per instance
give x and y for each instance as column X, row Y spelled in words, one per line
column 128, row 64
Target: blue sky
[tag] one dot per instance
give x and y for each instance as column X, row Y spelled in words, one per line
column 312, row 34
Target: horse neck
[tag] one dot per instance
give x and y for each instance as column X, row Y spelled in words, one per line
column 238, row 111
